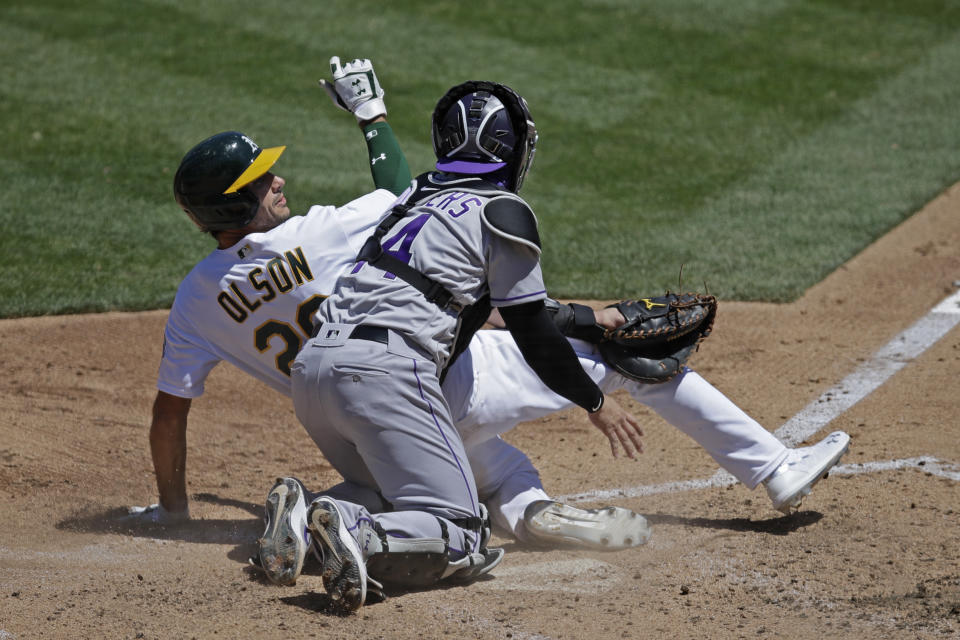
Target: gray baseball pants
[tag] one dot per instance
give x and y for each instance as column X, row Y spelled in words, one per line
column 377, row 413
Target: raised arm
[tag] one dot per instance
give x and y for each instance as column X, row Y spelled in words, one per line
column 355, row 89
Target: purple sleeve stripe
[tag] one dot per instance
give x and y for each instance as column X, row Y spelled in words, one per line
column 526, row 295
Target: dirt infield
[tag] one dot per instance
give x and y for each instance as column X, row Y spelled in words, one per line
column 874, row 553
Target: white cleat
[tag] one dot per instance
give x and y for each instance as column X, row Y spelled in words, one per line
column 802, row 469
column 609, row 528
column 344, row 567
column 285, row 541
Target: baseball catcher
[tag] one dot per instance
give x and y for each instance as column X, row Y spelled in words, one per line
column 655, row 340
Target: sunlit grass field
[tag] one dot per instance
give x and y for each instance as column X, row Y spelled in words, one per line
column 755, row 144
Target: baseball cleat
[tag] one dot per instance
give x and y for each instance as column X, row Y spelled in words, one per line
column 803, row 468
column 284, row 543
column 344, row 569
column 491, row 558
column 609, row 528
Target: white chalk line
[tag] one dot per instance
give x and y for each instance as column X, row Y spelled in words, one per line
column 896, row 354
column 927, row 464
column 592, row 576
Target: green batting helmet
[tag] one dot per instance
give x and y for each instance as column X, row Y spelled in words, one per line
column 210, row 181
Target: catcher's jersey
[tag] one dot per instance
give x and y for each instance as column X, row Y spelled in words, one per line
column 447, row 238
column 253, row 304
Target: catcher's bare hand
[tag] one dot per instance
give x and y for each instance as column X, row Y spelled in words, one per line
column 620, row 427
column 609, row 317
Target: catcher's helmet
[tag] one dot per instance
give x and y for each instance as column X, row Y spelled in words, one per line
column 210, row 181
column 481, row 127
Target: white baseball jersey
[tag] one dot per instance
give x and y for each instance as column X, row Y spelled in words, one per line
column 253, row 304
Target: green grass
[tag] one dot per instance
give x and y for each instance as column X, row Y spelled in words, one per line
column 759, row 144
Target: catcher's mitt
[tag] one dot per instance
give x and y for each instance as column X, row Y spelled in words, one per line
column 659, row 335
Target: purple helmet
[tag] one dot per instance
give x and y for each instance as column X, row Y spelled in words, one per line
column 483, row 127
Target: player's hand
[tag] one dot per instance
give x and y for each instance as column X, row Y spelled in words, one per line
column 620, row 427
column 156, row 514
column 355, row 89
column 608, row 318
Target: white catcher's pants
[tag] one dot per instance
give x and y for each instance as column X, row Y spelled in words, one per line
column 490, row 389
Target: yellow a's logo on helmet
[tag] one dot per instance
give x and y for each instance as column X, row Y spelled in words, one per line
column 253, row 145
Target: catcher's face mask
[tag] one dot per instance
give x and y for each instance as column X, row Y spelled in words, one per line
column 484, row 127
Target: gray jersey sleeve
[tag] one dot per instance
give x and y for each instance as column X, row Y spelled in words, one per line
column 513, row 271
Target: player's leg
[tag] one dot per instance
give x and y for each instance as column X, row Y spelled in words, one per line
column 737, row 442
column 381, row 420
column 490, row 403
column 506, row 482
column 510, row 486
column 491, row 389
column 368, row 497
column 382, row 417
column 508, row 392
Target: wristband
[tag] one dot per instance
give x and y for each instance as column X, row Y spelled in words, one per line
column 598, row 406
